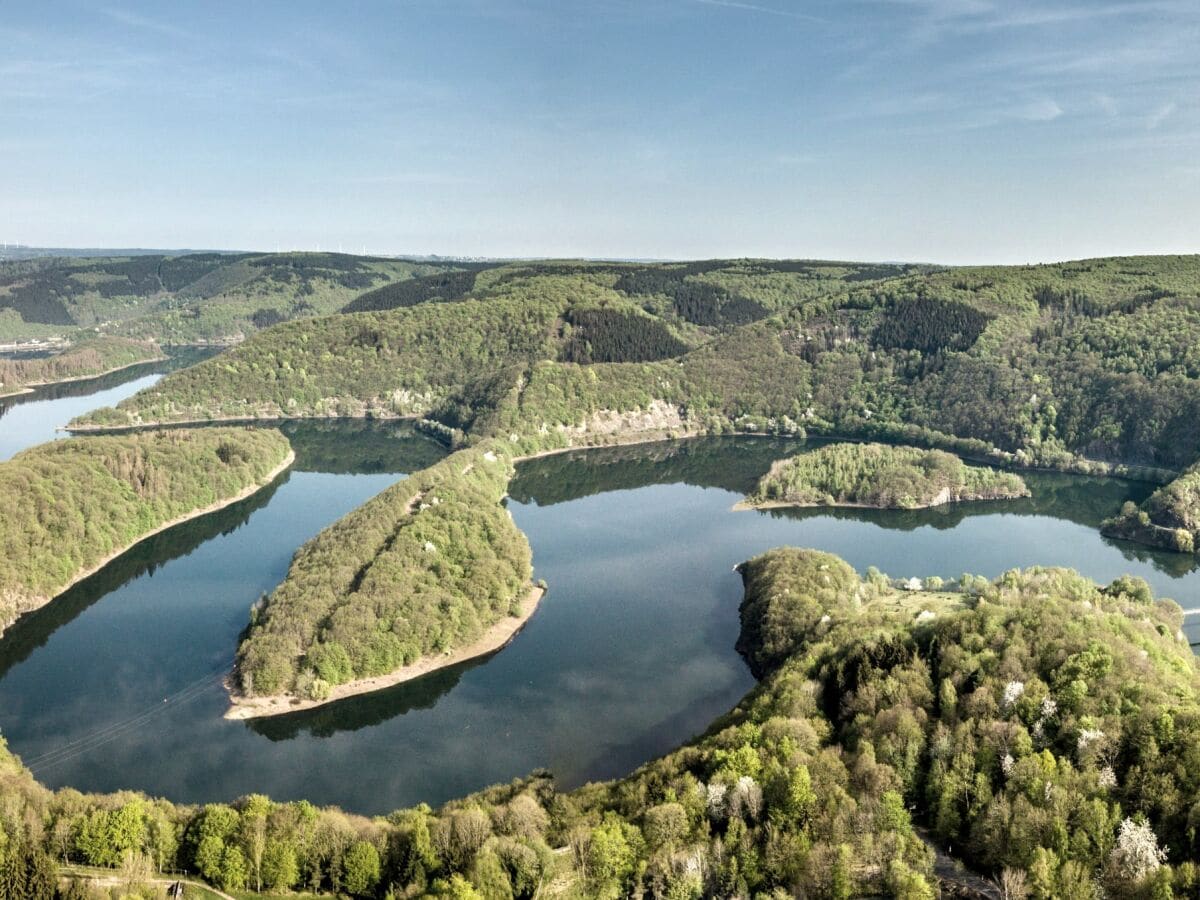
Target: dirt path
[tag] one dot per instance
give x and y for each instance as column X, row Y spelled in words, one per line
column 114, row 880
column 953, row 873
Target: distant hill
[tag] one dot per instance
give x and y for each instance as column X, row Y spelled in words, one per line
column 183, row 297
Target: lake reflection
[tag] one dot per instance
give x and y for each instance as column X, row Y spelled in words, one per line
column 631, row 652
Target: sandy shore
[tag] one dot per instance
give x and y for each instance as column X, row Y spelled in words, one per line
column 178, row 520
column 497, row 636
column 743, row 505
column 626, row 439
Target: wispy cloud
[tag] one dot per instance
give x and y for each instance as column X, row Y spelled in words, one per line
column 1160, row 115
column 756, row 8
column 144, row 23
column 1044, row 110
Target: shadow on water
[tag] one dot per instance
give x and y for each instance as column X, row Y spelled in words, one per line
column 32, row 631
column 358, row 446
column 729, row 463
column 1083, row 500
column 367, row 710
column 176, row 359
column 736, row 464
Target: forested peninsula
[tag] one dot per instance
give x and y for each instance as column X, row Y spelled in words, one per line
column 880, row 476
column 1037, row 724
column 429, row 572
column 73, row 505
column 89, row 358
column 1170, row 517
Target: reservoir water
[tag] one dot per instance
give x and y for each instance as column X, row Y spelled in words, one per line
column 117, row 684
column 36, row 417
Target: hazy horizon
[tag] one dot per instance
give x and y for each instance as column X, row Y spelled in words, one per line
column 101, row 252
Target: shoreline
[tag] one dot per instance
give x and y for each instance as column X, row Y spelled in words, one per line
column 746, row 504
column 73, row 378
column 1154, row 536
column 247, row 491
column 1120, row 471
column 497, row 636
column 1079, row 465
column 225, row 420
column 31, row 386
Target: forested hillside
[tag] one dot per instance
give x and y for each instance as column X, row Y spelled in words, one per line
column 1170, row 517
column 406, row 362
column 883, row 476
column 1040, row 724
column 1040, row 731
column 87, row 358
column 1034, row 365
column 70, row 505
column 201, row 297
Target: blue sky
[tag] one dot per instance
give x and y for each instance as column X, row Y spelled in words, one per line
column 943, row 130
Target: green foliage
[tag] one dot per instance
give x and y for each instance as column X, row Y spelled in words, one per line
column 84, row 359
column 1038, row 724
column 811, row 785
column 185, row 299
column 975, row 360
column 1069, row 700
column 929, row 325
column 403, row 362
column 360, row 868
column 605, row 334
column 444, row 286
column 72, row 504
column 783, row 600
column 425, row 567
column 881, row 475
column 613, row 850
column 1170, row 517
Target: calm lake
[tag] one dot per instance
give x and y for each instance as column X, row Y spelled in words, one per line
column 34, row 418
column 118, row 683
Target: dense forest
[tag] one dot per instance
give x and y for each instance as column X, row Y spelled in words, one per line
column 982, row 360
column 195, row 298
column 70, row 505
column 444, row 286
column 611, row 334
column 881, row 475
column 421, row 569
column 1170, row 517
column 88, row 358
column 1083, row 366
column 1040, row 724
